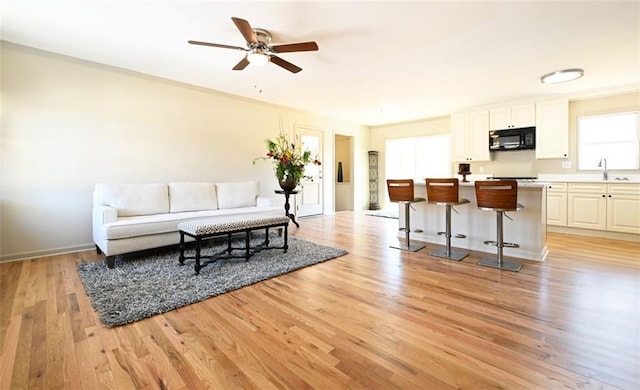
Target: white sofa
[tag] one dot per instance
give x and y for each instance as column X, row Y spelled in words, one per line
column 133, row 217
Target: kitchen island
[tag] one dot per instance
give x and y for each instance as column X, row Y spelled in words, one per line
column 527, row 229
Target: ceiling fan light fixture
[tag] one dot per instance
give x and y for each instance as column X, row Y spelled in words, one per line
column 562, row 76
column 257, row 58
column 259, row 51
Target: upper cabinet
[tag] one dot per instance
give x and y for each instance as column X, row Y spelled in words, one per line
column 470, row 130
column 552, row 129
column 510, row 117
column 470, row 136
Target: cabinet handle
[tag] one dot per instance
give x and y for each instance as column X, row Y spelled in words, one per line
column 609, row 196
column 603, row 196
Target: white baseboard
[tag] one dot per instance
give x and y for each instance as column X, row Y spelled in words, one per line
column 594, row 233
column 50, row 252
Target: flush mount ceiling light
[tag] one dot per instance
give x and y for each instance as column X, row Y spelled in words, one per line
column 562, row 76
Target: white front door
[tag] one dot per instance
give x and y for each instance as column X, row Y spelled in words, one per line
column 309, row 199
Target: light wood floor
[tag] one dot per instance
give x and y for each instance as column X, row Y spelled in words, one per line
column 377, row 318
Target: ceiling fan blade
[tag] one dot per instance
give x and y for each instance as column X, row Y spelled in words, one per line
column 217, row 45
column 242, row 64
column 290, row 47
column 285, row 64
column 245, row 30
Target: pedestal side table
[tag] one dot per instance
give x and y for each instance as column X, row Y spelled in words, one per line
column 287, row 194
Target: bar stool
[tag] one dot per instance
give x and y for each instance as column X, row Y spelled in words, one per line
column 401, row 192
column 499, row 196
column 444, row 192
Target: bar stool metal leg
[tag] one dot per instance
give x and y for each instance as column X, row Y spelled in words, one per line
column 407, row 246
column 447, row 252
column 499, row 261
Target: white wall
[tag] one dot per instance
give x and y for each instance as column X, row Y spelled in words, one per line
column 68, row 124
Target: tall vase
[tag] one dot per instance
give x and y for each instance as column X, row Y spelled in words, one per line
column 340, row 177
column 288, row 183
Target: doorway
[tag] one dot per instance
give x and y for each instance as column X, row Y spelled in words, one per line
column 343, row 178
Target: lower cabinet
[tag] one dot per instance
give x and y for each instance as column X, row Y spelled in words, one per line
column 599, row 206
column 623, row 208
column 587, row 206
column 557, row 204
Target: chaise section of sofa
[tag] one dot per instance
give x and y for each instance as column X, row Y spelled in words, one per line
column 129, row 217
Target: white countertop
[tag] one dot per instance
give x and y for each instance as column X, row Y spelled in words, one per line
column 588, row 178
column 536, row 184
column 545, row 179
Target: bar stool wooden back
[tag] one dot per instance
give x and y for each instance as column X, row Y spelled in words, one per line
column 499, row 196
column 445, row 192
column 401, row 191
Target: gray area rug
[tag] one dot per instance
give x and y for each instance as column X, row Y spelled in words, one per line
column 140, row 287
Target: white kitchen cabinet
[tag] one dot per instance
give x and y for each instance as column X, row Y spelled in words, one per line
column 587, row 206
column 470, row 136
column 510, row 117
column 557, row 204
column 552, row 129
column 613, row 207
column 623, row 208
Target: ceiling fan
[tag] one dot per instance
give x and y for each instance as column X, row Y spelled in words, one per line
column 259, row 51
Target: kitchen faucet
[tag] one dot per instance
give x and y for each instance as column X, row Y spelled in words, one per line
column 605, row 173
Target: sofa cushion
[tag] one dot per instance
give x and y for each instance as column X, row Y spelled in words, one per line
column 192, row 197
column 134, row 199
column 237, row 194
column 145, row 225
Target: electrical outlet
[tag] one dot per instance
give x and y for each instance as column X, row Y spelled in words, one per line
column 566, row 164
column 481, row 169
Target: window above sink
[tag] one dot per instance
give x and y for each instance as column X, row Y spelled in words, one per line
column 614, row 137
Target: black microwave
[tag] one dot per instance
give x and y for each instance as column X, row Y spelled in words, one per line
column 512, row 139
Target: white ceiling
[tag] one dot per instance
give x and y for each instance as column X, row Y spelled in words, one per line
column 378, row 63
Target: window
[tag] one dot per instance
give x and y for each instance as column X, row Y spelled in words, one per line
column 418, row 157
column 610, row 136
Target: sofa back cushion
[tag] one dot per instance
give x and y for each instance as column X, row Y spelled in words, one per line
column 238, row 194
column 192, row 197
column 134, row 199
